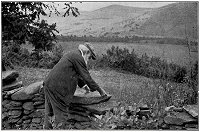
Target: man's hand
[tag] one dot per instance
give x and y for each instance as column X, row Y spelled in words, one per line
column 87, row 89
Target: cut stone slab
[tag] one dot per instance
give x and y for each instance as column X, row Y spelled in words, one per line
column 192, row 110
column 28, row 106
column 101, row 108
column 9, row 76
column 88, row 99
column 179, row 118
column 27, row 92
column 14, row 85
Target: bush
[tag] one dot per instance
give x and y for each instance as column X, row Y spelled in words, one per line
column 153, row 67
column 14, row 55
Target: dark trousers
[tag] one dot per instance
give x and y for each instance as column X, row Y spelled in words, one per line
column 55, row 111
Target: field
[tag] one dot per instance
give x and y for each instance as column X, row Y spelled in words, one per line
column 178, row 54
column 126, row 88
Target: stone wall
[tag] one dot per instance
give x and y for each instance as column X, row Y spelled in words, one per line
column 23, row 106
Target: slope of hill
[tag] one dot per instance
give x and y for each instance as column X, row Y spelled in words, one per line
column 168, row 21
column 172, row 20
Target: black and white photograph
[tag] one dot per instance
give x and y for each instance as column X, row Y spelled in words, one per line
column 100, row 65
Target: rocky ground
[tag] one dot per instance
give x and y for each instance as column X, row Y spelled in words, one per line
column 23, row 104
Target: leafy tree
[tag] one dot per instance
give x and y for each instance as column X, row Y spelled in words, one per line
column 21, row 21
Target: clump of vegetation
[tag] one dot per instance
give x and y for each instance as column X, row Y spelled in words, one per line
column 14, row 55
column 152, row 67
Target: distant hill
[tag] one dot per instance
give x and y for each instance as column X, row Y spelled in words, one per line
column 116, row 20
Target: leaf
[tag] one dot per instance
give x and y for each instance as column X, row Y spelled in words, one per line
column 113, row 126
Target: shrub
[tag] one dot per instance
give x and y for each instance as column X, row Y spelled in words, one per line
column 14, row 55
column 153, row 67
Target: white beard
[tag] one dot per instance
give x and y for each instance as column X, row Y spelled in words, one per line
column 85, row 57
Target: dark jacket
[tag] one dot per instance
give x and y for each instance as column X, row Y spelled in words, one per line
column 64, row 77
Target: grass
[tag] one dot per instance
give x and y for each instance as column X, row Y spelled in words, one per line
column 172, row 53
column 126, row 88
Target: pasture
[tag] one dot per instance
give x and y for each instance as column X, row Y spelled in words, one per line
column 125, row 88
column 178, row 54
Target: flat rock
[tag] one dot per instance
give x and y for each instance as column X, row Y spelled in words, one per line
column 15, row 108
column 20, row 121
column 100, row 108
column 27, row 112
column 38, row 99
column 38, row 103
column 78, row 118
column 27, row 92
column 36, row 120
column 28, row 106
column 5, row 102
column 14, row 85
column 15, row 113
column 179, row 118
column 88, row 99
column 25, row 117
column 16, row 103
column 4, row 109
column 4, row 115
column 40, row 106
column 27, row 121
column 13, row 120
column 191, row 125
column 13, row 91
column 192, row 110
column 37, row 114
column 86, row 114
column 9, row 76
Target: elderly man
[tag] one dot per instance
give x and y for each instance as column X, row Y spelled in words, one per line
column 61, row 83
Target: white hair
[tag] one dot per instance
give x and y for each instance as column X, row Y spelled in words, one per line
column 84, row 49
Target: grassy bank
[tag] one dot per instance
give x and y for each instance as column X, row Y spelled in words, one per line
column 127, row 88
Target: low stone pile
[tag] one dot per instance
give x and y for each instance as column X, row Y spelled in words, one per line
column 184, row 118
column 23, row 106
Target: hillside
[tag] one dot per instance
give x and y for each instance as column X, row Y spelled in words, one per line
column 117, row 20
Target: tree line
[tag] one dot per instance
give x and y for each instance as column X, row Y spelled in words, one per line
column 126, row 39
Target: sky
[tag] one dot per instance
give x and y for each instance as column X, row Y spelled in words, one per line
column 90, row 6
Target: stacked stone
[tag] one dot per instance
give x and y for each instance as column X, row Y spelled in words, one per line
column 183, row 118
column 23, row 107
column 85, row 107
